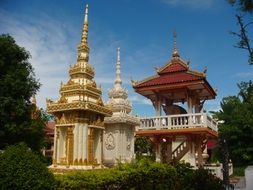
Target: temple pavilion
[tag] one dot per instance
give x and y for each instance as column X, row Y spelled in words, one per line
column 120, row 127
column 79, row 114
column 180, row 129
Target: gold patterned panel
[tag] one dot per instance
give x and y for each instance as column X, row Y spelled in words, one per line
column 70, row 142
column 79, row 105
column 91, row 146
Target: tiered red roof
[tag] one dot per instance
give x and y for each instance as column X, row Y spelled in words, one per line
column 174, row 67
column 176, row 74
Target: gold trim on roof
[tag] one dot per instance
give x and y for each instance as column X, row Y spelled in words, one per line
column 81, row 88
column 87, row 69
column 79, row 105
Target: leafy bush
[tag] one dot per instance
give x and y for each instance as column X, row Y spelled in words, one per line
column 20, row 168
column 141, row 175
column 144, row 174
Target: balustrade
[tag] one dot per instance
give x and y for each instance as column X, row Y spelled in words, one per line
column 178, row 122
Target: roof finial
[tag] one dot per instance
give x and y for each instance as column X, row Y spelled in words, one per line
column 86, row 14
column 175, row 51
column 85, row 26
column 118, row 80
column 83, row 48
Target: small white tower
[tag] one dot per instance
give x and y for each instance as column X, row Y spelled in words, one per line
column 120, row 127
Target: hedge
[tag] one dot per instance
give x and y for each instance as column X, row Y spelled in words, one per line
column 145, row 174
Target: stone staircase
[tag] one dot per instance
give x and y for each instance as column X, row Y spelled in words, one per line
column 181, row 150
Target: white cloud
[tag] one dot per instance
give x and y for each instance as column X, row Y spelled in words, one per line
column 140, row 100
column 195, row 4
column 245, row 75
column 49, row 42
column 45, row 39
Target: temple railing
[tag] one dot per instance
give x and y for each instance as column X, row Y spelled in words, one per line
column 196, row 120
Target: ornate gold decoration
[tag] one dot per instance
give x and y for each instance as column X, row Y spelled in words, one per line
column 99, row 122
column 80, row 102
column 80, row 162
column 91, row 146
column 70, row 82
column 80, row 105
column 63, row 100
column 76, row 161
column 63, row 119
column 100, row 102
column 70, row 142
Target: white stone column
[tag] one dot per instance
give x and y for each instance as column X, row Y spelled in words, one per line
column 158, row 152
column 189, row 102
column 117, row 140
column 192, row 153
column 85, row 143
column 99, row 147
column 61, row 144
column 76, row 143
column 55, row 156
column 79, row 143
column 158, row 106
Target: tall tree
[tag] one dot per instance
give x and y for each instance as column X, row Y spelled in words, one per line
column 236, row 127
column 17, row 86
column 244, row 6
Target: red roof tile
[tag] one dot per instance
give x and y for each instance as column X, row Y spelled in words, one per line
column 49, row 129
column 170, row 79
column 175, row 67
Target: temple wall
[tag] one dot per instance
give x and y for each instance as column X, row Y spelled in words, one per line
column 118, row 143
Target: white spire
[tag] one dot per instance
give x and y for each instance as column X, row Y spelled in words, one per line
column 118, row 80
column 118, row 95
column 86, row 14
column 175, row 50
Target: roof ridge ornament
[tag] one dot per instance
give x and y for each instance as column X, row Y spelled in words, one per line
column 175, row 50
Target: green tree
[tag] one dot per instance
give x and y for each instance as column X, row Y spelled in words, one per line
column 244, row 6
column 143, row 145
column 236, row 127
column 17, row 86
column 20, row 168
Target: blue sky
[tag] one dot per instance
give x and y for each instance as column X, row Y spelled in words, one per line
column 50, row 31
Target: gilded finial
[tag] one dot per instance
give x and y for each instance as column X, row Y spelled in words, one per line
column 175, row 51
column 85, row 26
column 83, row 48
column 118, row 80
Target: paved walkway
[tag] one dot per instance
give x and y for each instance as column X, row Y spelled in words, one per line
column 243, row 183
